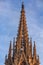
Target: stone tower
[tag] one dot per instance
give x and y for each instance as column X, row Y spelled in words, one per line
column 22, row 53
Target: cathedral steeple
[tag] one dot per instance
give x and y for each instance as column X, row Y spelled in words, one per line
column 22, row 37
column 22, row 53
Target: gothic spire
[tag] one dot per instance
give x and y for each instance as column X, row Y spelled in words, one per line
column 38, row 60
column 34, row 51
column 5, row 59
column 22, row 36
column 31, row 47
column 9, row 54
column 13, row 45
column 13, row 48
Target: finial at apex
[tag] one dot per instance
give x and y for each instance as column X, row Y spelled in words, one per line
column 23, row 5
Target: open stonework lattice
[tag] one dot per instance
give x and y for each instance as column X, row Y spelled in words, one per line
column 22, row 48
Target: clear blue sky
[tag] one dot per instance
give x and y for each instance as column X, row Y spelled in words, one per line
column 9, row 21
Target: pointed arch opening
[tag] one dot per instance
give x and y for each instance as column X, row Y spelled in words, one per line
column 24, row 63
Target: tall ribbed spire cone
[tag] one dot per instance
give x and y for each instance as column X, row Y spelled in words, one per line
column 22, row 52
column 22, row 37
column 34, row 51
column 9, row 54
